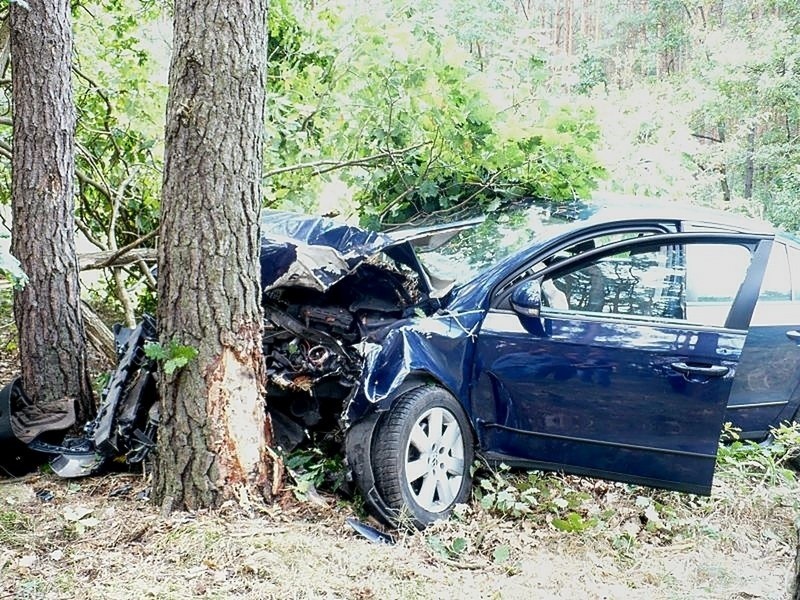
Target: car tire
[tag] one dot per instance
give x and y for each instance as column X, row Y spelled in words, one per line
column 422, row 456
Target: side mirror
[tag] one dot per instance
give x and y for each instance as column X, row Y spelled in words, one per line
column 526, row 300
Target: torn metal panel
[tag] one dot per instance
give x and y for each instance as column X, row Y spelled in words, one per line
column 441, row 344
column 317, row 252
column 312, row 252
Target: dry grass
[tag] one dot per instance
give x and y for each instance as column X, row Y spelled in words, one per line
column 85, row 543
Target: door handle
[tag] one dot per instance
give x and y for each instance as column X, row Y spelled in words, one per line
column 793, row 335
column 704, row 370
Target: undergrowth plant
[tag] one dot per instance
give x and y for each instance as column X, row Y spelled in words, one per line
column 769, row 463
column 534, row 495
column 312, row 468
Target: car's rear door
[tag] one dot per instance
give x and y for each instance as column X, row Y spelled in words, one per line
column 766, row 389
column 623, row 376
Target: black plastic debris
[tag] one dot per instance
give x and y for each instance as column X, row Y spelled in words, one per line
column 122, row 490
column 45, row 495
column 370, row 533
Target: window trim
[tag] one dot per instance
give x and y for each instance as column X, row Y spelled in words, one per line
column 741, row 308
column 518, row 275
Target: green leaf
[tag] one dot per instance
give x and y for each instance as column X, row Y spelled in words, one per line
column 459, row 545
column 175, row 356
column 501, row 554
column 155, row 351
column 179, row 359
column 574, row 523
column 435, row 544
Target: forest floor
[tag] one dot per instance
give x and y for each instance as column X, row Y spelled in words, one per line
column 530, row 536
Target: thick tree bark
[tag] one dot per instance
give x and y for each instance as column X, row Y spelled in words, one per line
column 48, row 310
column 213, row 437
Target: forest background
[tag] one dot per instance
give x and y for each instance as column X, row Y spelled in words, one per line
column 386, row 112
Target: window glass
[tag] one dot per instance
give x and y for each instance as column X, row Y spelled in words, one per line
column 777, row 283
column 599, row 241
column 653, row 282
column 794, row 261
column 775, row 305
column 715, row 274
column 646, row 284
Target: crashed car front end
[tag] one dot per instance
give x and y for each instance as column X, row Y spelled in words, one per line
column 333, row 296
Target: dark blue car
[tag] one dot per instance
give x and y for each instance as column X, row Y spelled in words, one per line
column 606, row 342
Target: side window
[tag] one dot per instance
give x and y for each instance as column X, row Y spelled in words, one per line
column 794, row 262
column 648, row 283
column 775, row 305
column 777, row 283
column 586, row 245
column 666, row 282
column 601, row 240
column 715, row 273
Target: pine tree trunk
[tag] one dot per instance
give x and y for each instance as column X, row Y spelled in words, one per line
column 213, row 437
column 48, row 310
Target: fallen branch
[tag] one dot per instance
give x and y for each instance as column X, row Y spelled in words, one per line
column 108, row 258
column 327, row 165
column 123, row 256
column 100, row 336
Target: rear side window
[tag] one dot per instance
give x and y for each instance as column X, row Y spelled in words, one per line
column 794, row 263
column 778, row 303
column 715, row 274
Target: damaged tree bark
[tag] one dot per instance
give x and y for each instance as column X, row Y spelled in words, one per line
column 214, row 433
column 48, row 309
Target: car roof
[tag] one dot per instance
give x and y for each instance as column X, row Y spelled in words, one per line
column 634, row 209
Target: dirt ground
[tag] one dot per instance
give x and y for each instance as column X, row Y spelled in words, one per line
column 554, row 536
column 95, row 539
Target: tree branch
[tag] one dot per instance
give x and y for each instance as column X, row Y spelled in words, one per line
column 107, row 258
column 326, row 165
column 119, row 279
column 91, row 261
column 707, row 137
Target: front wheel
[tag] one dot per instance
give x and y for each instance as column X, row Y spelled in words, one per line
column 422, row 453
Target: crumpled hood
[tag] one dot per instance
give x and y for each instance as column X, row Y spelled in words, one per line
column 317, row 252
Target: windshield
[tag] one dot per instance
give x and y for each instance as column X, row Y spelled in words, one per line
column 502, row 233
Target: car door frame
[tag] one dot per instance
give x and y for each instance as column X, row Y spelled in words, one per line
column 737, row 319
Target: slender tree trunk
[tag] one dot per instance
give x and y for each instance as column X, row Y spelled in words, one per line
column 213, row 437
column 48, row 310
column 723, row 171
column 749, row 164
column 570, row 26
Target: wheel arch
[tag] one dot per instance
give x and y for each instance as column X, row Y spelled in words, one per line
column 360, row 439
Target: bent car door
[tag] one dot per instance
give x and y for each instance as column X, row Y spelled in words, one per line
column 620, row 375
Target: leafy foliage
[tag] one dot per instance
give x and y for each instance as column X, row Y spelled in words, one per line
column 769, row 463
column 11, row 269
column 313, row 468
column 120, row 99
column 174, row 356
column 353, row 85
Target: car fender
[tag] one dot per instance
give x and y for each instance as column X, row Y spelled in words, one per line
column 437, row 348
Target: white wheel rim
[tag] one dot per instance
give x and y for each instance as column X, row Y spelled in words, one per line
column 434, row 460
